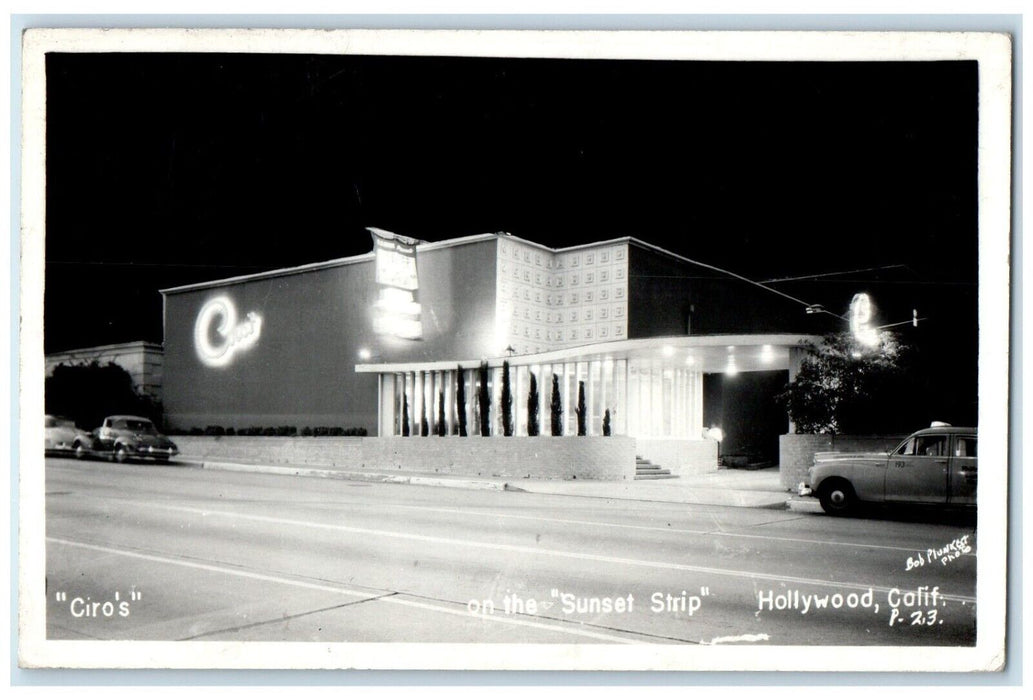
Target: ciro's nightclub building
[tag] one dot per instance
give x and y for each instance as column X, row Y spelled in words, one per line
column 664, row 349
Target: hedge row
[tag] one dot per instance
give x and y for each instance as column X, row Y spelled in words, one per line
column 279, row 431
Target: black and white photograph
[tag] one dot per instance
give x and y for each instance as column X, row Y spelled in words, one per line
column 514, row 350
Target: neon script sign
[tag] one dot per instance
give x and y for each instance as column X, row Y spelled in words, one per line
column 218, row 335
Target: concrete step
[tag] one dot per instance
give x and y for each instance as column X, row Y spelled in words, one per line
column 646, row 470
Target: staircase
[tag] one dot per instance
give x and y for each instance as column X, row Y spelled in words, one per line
column 644, row 469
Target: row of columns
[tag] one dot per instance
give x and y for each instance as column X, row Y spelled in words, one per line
column 645, row 399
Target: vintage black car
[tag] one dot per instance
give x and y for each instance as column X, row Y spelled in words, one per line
column 125, row 438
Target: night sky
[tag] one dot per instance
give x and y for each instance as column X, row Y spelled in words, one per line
column 168, row 169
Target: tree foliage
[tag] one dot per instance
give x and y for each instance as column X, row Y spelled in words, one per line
column 843, row 387
column 87, row 393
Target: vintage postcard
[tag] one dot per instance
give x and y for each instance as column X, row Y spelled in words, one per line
column 514, row 350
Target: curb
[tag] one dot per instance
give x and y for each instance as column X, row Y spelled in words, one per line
column 375, row 477
column 804, row 505
column 780, row 503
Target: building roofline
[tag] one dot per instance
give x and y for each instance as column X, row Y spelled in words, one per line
column 106, row 348
column 437, row 245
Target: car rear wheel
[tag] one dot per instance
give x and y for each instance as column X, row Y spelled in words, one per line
column 837, row 497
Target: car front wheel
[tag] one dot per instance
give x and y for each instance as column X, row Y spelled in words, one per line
column 80, row 451
column 837, row 497
column 121, row 454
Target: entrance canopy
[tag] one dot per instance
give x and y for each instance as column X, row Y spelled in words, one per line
column 651, row 387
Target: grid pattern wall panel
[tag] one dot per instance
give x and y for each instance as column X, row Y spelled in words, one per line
column 548, row 301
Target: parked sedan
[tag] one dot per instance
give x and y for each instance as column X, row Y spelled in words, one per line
column 935, row 466
column 60, row 435
column 132, row 437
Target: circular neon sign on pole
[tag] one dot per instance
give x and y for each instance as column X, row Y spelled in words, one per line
column 860, row 320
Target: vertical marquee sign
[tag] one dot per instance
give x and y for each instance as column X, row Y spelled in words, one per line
column 396, row 311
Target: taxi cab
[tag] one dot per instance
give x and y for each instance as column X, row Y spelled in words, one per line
column 934, row 466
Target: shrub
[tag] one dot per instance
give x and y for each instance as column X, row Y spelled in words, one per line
column 532, row 407
column 196, row 431
column 231, row 431
column 306, row 431
column 484, row 399
column 582, row 410
column 556, row 407
column 606, row 422
column 461, row 401
column 424, row 425
column 442, row 428
column 214, row 430
column 405, row 415
column 507, row 402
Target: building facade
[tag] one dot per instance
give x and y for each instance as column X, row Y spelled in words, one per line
column 383, row 341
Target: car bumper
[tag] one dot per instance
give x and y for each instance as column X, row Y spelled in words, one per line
column 150, row 452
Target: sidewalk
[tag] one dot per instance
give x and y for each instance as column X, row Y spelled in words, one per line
column 725, row 487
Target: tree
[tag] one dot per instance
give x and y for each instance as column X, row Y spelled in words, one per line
column 484, row 401
column 582, row 410
column 424, row 425
column 844, row 387
column 442, row 428
column 461, row 400
column 87, row 393
column 405, row 415
column 507, row 402
column 557, row 407
column 532, row 407
column 606, row 422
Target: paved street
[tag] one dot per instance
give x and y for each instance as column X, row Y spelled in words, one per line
column 179, row 553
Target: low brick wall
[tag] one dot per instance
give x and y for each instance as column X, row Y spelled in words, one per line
column 321, row 451
column 796, row 452
column 682, row 457
column 609, row 458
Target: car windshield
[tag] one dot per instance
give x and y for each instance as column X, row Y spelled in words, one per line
column 137, row 426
